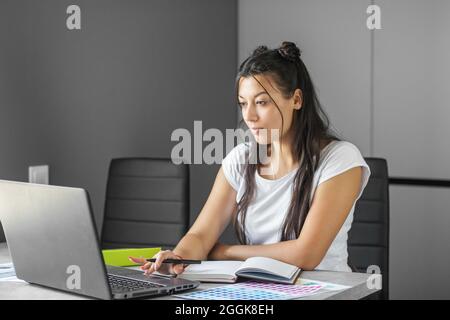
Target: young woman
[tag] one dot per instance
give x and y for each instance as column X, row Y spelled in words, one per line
column 299, row 213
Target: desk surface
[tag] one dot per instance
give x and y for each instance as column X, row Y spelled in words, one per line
column 357, row 281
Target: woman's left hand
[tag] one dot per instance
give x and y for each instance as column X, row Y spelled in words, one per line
column 219, row 252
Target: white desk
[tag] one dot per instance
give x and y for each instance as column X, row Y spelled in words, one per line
column 357, row 281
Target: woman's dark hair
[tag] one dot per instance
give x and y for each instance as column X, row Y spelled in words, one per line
column 310, row 128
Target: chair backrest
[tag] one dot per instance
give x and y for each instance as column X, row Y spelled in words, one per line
column 147, row 203
column 368, row 240
column 2, row 235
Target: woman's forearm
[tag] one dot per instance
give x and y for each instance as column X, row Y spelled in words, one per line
column 286, row 251
column 281, row 251
column 191, row 247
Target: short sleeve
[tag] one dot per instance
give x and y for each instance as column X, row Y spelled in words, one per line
column 341, row 158
column 233, row 165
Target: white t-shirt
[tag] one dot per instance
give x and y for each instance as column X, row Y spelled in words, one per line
column 265, row 215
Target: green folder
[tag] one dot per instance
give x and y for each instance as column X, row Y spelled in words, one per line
column 119, row 257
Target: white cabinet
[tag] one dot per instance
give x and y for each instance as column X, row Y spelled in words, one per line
column 419, row 242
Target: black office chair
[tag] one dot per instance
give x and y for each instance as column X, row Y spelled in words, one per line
column 147, row 203
column 2, row 234
column 368, row 240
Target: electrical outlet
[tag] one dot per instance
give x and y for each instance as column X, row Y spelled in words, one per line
column 38, row 174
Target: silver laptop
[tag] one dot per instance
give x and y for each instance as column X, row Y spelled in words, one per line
column 52, row 239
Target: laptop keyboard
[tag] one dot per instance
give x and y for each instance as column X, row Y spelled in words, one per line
column 118, row 283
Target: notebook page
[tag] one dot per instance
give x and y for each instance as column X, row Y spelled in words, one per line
column 271, row 266
column 212, row 269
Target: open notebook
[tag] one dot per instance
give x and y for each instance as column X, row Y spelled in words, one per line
column 260, row 268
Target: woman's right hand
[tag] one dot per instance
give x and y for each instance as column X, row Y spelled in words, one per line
column 164, row 268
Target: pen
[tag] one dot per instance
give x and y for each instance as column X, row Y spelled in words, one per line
column 177, row 261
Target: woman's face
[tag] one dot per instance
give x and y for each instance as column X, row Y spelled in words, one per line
column 260, row 112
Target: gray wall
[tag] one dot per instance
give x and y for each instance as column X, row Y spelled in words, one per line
column 411, row 83
column 385, row 91
column 117, row 88
column 335, row 46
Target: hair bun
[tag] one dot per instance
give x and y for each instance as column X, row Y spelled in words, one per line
column 289, row 51
column 259, row 50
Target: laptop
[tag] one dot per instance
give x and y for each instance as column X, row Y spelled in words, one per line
column 53, row 242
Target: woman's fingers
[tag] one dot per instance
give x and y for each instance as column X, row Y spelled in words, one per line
column 166, row 268
column 146, row 266
column 178, row 268
column 158, row 265
column 150, row 269
column 163, row 255
column 141, row 261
